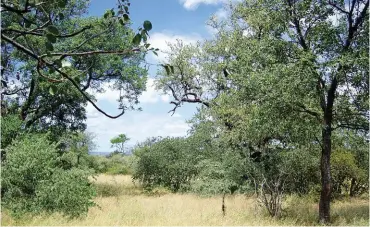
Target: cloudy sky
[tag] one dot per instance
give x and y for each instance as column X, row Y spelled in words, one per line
column 171, row 19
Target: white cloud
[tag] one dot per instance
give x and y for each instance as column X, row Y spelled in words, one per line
column 136, row 125
column 160, row 40
column 221, row 14
column 151, row 95
column 193, row 4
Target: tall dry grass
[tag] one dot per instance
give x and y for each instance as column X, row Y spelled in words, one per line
column 123, row 203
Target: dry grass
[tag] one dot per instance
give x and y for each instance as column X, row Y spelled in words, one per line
column 131, row 206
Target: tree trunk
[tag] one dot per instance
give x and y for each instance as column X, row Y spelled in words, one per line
column 324, row 205
column 223, row 205
column 352, row 188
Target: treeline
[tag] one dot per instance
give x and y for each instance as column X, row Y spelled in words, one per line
column 207, row 164
column 283, row 90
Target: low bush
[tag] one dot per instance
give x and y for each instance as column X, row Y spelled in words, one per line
column 34, row 181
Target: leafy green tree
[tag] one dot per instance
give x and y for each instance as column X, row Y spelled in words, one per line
column 350, row 163
column 168, row 162
column 54, row 59
column 291, row 75
column 33, row 180
column 74, row 149
column 118, row 143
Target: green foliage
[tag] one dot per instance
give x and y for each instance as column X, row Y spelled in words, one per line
column 113, row 164
column 67, row 191
column 345, row 173
column 10, row 129
column 118, row 142
column 33, row 180
column 168, row 162
column 65, row 59
column 222, row 173
column 280, row 75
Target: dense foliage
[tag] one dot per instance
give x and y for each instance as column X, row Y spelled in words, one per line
column 280, row 75
column 283, row 91
column 34, row 179
column 168, row 162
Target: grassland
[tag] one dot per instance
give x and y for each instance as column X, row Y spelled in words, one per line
column 121, row 203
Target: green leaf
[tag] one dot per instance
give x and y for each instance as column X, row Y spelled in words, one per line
column 49, row 46
column 27, row 24
column 62, row 3
column 126, row 17
column 147, row 45
column 156, row 54
column 172, row 69
column 61, row 16
column 51, row 38
column 121, row 22
column 147, row 25
column 77, row 79
column 167, row 68
column 126, row 9
column 106, row 14
column 51, row 70
column 137, row 39
column 144, row 36
column 53, row 30
column 58, row 63
column 52, row 89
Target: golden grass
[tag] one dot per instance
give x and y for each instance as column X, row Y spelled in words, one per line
column 133, row 207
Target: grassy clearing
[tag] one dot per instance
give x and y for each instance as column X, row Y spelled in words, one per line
column 123, row 203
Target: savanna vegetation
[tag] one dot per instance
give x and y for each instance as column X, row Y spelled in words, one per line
column 280, row 136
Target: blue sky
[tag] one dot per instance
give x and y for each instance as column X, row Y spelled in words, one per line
column 171, row 19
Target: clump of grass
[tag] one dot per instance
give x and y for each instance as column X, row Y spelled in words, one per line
column 107, row 186
column 344, row 212
column 106, row 190
column 157, row 191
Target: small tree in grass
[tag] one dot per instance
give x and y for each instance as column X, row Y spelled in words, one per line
column 118, row 143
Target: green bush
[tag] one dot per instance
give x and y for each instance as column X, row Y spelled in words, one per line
column 33, row 180
column 345, row 173
column 169, row 163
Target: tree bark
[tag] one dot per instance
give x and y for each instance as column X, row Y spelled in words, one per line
column 324, row 205
column 352, row 189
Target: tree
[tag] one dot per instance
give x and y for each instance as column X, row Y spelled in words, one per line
column 289, row 59
column 75, row 147
column 54, row 60
column 119, row 142
column 169, row 162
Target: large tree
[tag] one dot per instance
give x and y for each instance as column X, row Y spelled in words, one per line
column 292, row 73
column 55, row 59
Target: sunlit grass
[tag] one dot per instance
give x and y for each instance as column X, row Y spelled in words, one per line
column 128, row 204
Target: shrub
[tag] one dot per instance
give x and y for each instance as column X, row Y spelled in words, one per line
column 346, row 173
column 169, row 162
column 33, row 180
